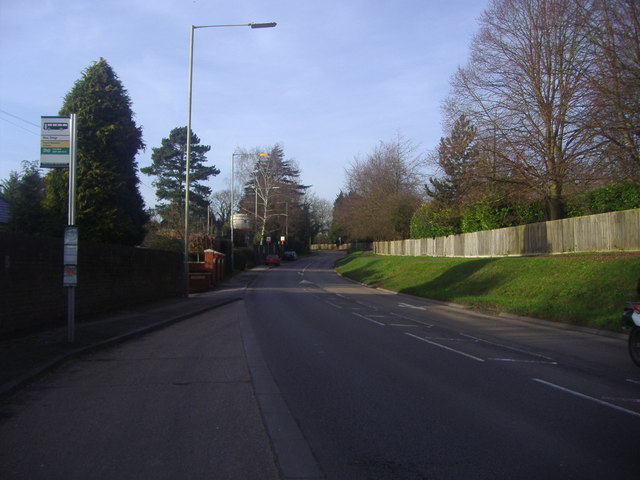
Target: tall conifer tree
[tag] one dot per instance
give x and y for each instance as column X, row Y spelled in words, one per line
column 169, row 162
column 109, row 206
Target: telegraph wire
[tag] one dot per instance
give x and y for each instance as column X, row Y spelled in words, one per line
column 19, row 126
column 21, row 119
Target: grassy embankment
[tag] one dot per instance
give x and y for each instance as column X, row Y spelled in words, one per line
column 587, row 289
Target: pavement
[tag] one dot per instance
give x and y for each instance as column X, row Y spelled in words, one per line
column 26, row 356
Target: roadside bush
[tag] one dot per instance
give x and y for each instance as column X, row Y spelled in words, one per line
column 244, row 258
column 157, row 241
column 493, row 212
column 434, row 220
column 488, row 214
column 610, row 198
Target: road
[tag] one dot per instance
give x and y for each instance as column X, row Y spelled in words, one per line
column 314, row 376
column 386, row 386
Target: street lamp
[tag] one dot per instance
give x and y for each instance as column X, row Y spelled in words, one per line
column 188, row 153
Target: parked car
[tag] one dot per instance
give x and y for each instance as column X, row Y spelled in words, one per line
column 290, row 255
column 272, row 259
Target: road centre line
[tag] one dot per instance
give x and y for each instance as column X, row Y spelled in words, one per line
column 519, row 350
column 450, row 339
column 408, row 305
column 587, row 397
column 369, row 319
column 333, row 304
column 368, row 305
column 514, row 360
column 622, row 399
column 403, row 317
column 445, row 347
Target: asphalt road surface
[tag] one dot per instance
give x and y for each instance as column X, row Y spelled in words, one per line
column 339, row 381
column 386, row 386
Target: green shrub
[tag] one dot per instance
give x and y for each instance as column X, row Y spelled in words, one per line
column 610, row 198
column 495, row 211
column 488, row 214
column 433, row 220
column 436, row 219
column 622, row 196
column 244, row 258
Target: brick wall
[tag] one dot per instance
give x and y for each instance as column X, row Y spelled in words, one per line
column 110, row 277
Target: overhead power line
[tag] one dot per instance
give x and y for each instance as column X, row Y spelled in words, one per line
column 22, row 120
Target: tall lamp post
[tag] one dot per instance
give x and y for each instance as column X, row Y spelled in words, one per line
column 188, row 153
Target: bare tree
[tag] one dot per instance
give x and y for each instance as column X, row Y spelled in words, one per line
column 383, row 191
column 220, row 203
column 320, row 213
column 613, row 27
column 526, row 89
column 256, row 178
column 272, row 193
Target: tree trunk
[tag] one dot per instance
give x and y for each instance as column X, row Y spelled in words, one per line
column 555, row 207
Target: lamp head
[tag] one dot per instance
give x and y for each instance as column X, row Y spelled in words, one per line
column 263, row 25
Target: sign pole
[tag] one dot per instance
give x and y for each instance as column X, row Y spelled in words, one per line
column 58, row 149
column 71, row 243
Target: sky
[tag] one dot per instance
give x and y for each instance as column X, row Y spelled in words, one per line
column 329, row 83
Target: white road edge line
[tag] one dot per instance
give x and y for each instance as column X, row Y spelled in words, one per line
column 587, row 397
column 369, row 319
column 445, row 347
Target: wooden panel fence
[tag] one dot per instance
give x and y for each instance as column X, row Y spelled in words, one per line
column 606, row 232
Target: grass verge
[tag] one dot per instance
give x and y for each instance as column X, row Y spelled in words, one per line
column 581, row 289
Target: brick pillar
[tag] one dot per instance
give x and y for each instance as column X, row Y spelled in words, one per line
column 210, row 260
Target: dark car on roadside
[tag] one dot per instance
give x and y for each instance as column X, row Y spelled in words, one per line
column 272, row 259
column 290, row 255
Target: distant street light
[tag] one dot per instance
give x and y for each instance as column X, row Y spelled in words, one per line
column 188, row 153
